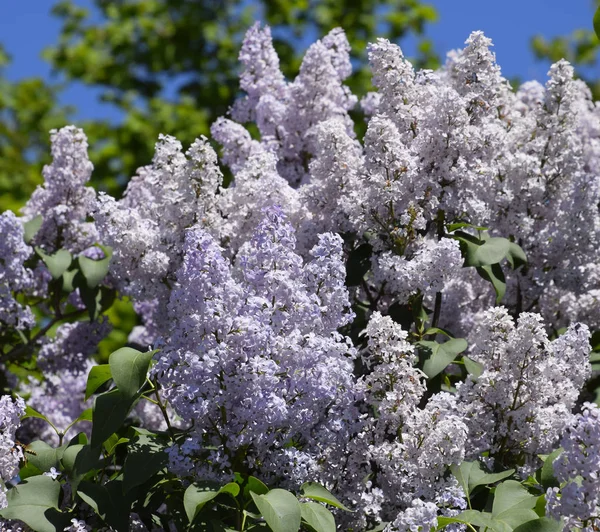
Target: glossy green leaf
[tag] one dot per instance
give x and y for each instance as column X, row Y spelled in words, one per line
column 97, row 376
column 280, row 509
column 316, row 492
column 35, row 502
column 129, row 369
column 319, row 518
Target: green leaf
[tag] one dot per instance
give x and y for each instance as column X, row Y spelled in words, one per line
column 78, row 460
column 30, row 412
column 108, row 502
column 31, row 228
column 43, row 456
column 110, row 411
column 256, row 486
column 319, row 518
column 513, row 504
column 129, row 368
column 280, row 509
column 474, row 368
column 231, row 488
column 57, row 263
column 542, row 524
column 97, row 376
column 35, row 502
column 597, row 22
column 548, row 480
column 494, row 275
column 95, row 271
column 316, row 492
column 483, row 520
column 146, row 456
column 196, row 496
column 470, row 476
column 516, row 256
column 442, row 355
column 459, row 225
column 359, row 262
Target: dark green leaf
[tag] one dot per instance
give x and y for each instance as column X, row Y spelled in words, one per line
column 129, row 368
column 97, row 376
column 319, row 518
column 110, row 411
column 35, row 502
column 359, row 262
column 108, row 502
column 280, row 509
column 597, row 22
column 146, row 456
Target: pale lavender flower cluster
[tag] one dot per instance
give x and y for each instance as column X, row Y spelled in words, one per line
column 63, row 201
column 252, row 355
column 522, row 401
column 577, row 501
column 10, row 454
column 14, row 276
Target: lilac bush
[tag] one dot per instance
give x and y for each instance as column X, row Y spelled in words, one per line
column 390, row 332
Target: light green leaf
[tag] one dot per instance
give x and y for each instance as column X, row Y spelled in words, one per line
column 516, row 256
column 129, row 369
column 35, row 502
column 196, row 496
column 513, row 504
column 31, row 228
column 97, row 376
column 280, row 509
column 542, row 524
column 95, row 271
column 316, row 492
column 442, row 355
column 43, row 456
column 255, row 485
column 57, row 263
column 474, row 368
column 319, row 518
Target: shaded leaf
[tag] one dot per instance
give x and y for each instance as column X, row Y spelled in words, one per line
column 97, row 376
column 319, row 518
column 129, row 368
column 280, row 509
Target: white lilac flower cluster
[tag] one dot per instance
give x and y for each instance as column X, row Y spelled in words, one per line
column 243, row 288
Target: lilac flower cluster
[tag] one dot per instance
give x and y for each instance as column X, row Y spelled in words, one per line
column 10, row 454
column 244, row 288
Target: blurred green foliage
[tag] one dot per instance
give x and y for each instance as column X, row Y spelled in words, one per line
column 581, row 48
column 28, row 110
column 171, row 65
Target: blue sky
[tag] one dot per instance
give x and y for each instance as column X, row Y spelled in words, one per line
column 26, row 28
